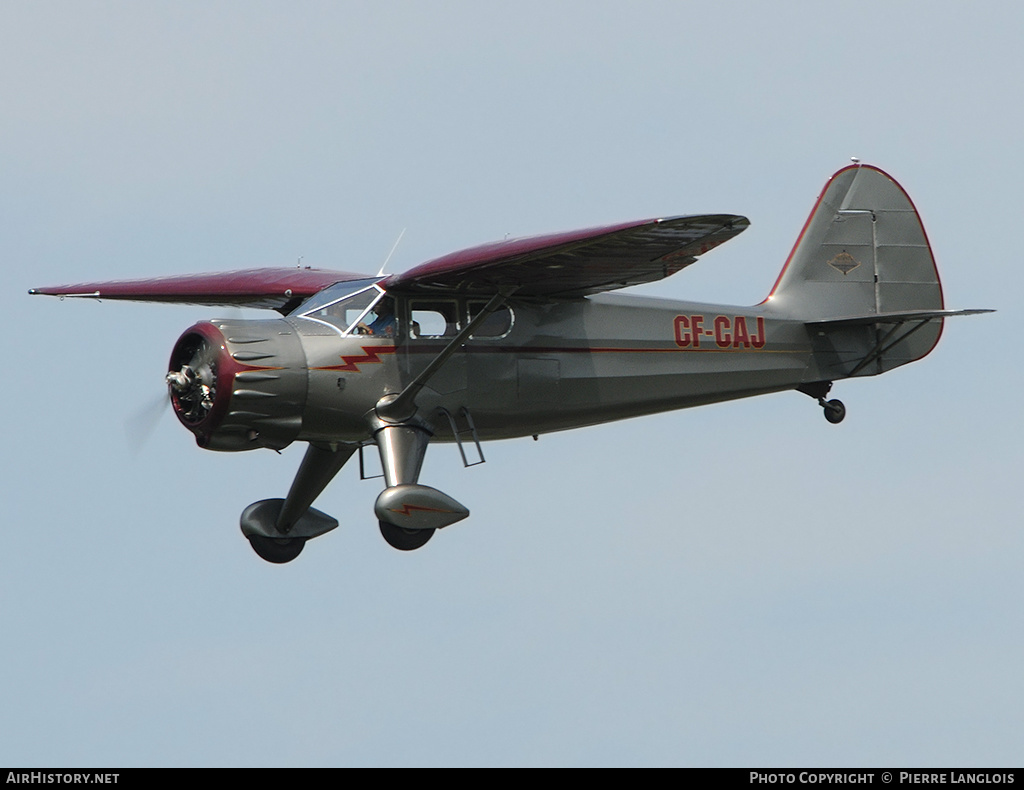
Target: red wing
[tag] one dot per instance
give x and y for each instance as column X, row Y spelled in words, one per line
column 576, row 263
column 270, row 288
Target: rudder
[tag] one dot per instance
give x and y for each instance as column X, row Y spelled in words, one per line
column 862, row 250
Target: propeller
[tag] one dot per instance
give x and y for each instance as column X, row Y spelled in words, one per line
column 140, row 426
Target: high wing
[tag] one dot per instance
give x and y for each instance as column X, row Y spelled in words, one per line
column 571, row 264
column 576, row 263
column 280, row 289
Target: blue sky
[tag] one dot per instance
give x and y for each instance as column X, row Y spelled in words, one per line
column 741, row 584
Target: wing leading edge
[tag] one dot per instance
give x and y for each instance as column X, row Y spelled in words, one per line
column 278, row 289
column 577, row 263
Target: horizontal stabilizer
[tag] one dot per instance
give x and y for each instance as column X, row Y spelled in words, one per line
column 892, row 318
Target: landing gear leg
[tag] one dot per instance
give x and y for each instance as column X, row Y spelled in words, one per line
column 318, row 468
column 402, row 448
column 408, row 512
column 277, row 529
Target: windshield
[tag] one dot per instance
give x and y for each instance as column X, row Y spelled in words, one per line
column 343, row 306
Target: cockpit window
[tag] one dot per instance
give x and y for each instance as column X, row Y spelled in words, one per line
column 344, row 306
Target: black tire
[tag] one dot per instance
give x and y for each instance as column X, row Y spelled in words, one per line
column 835, row 411
column 404, row 539
column 277, row 550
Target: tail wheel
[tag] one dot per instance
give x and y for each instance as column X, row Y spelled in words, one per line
column 835, row 411
column 404, row 539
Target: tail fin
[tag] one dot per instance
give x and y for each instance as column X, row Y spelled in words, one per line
column 863, row 250
column 862, row 254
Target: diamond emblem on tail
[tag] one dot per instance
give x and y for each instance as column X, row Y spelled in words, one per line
column 844, row 262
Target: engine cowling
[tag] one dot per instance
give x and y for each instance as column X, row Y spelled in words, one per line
column 239, row 385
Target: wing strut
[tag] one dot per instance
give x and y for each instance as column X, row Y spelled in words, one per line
column 881, row 346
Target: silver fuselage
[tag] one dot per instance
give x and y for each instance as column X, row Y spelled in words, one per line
column 563, row 364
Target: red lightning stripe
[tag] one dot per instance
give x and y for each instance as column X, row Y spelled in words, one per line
column 406, row 510
column 370, row 355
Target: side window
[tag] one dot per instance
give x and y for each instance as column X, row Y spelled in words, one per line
column 497, row 324
column 433, row 318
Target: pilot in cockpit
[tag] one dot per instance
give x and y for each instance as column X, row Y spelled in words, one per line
column 385, row 323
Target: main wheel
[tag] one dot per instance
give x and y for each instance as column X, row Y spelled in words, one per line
column 277, row 550
column 404, row 539
column 835, row 411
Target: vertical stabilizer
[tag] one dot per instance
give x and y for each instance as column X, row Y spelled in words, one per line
column 863, row 250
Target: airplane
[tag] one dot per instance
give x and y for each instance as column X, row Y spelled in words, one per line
column 522, row 337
